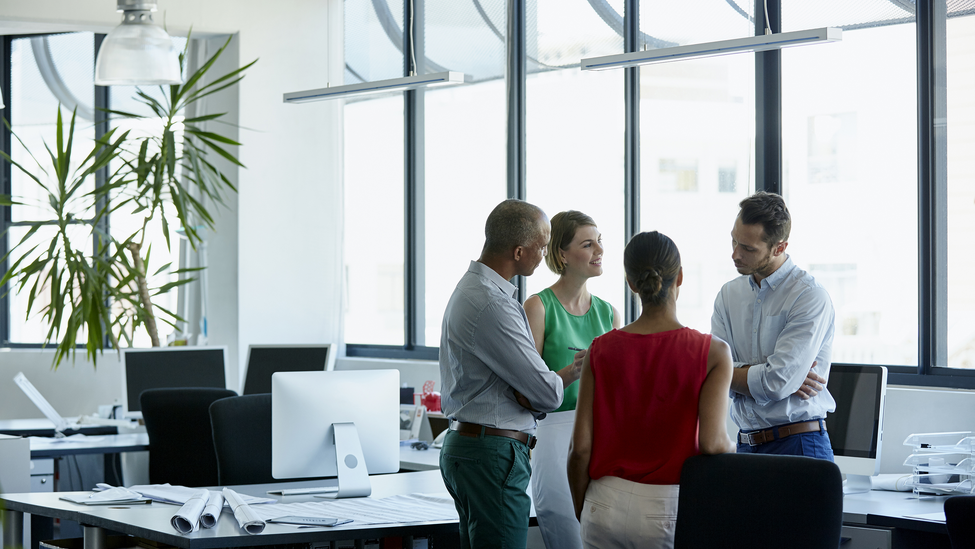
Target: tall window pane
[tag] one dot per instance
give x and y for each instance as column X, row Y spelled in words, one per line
column 849, row 120
column 697, row 124
column 575, row 129
column 961, row 192
column 464, row 144
column 45, row 72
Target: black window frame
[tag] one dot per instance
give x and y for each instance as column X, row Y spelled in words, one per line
column 931, row 18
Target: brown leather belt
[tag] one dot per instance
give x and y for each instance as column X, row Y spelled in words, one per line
column 475, row 430
column 768, row 435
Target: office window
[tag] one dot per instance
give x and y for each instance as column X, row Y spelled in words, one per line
column 849, row 123
column 961, row 191
column 575, row 130
column 697, row 141
column 463, row 146
column 45, row 71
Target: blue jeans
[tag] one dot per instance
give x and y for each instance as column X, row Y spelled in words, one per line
column 814, row 445
column 488, row 478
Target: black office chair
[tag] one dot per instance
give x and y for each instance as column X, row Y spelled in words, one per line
column 180, row 438
column 960, row 515
column 754, row 501
column 242, row 439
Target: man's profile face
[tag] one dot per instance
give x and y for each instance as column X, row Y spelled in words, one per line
column 751, row 254
column 535, row 251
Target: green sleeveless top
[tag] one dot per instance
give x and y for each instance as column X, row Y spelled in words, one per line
column 564, row 330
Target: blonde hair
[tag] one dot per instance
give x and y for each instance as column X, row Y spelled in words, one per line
column 564, row 227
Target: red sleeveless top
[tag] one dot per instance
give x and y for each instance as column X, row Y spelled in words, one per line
column 645, row 407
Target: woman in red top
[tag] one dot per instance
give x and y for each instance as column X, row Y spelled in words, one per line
column 651, row 395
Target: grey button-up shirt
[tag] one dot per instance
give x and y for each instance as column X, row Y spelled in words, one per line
column 779, row 327
column 486, row 351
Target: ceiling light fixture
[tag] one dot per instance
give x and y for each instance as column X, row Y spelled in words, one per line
column 137, row 52
column 713, row 49
column 411, row 82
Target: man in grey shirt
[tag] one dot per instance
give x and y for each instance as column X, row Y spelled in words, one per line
column 488, row 365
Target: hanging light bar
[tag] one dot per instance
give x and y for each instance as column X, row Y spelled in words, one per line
column 380, row 86
column 713, row 49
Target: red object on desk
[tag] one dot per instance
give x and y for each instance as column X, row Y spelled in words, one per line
column 431, row 401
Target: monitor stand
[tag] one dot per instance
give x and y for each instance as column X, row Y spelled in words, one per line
column 353, row 476
column 856, row 484
column 350, row 463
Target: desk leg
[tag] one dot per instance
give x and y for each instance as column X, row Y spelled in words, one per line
column 13, row 528
column 94, row 537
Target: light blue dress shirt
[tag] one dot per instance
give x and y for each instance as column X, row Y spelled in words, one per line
column 780, row 327
column 486, row 351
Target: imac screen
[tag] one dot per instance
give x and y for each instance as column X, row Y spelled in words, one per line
column 264, row 360
column 855, row 426
column 164, row 367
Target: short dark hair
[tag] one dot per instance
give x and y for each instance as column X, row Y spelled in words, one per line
column 768, row 209
column 652, row 263
column 512, row 223
column 564, row 227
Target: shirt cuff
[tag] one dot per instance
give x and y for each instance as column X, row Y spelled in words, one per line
column 755, row 385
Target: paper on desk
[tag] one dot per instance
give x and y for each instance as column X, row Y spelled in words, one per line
column 187, row 519
column 167, row 493
column 107, row 497
column 933, row 517
column 400, row 509
column 211, row 513
column 248, row 520
column 895, row 482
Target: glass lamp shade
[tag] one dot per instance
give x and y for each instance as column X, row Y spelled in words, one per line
column 137, row 54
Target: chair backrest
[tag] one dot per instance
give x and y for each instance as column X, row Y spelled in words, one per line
column 756, row 500
column 242, row 439
column 960, row 515
column 180, row 438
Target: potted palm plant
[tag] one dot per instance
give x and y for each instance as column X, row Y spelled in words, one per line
column 91, row 285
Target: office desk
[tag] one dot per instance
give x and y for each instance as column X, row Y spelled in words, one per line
column 152, row 522
column 890, row 512
column 43, row 427
column 419, row 460
column 43, row 447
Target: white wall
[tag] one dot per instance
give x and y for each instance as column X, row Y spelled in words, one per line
column 282, row 283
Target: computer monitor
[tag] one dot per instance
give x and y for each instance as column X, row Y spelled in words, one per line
column 341, row 423
column 856, row 428
column 161, row 367
column 264, row 360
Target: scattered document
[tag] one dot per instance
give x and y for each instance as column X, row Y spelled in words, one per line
column 932, row 517
column 248, row 520
column 395, row 509
column 187, row 519
column 211, row 513
column 113, row 496
column 178, row 495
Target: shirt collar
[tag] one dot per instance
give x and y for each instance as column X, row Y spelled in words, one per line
column 773, row 280
column 481, row 269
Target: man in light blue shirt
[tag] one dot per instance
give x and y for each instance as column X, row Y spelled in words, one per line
column 779, row 323
column 487, row 354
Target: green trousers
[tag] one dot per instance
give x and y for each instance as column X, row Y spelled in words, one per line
column 488, row 477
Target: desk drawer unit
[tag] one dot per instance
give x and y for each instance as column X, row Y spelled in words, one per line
column 858, row 537
column 42, row 475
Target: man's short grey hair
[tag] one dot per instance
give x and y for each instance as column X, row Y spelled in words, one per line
column 512, row 223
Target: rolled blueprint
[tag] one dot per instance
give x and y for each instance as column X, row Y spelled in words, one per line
column 211, row 513
column 246, row 517
column 187, row 519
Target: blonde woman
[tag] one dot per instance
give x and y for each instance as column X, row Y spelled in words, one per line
column 563, row 318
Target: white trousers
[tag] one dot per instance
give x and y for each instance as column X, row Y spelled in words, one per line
column 620, row 513
column 550, row 482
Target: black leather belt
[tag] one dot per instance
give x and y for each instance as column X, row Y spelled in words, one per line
column 475, row 430
column 768, row 435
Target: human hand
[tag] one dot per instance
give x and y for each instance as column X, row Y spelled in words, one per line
column 524, row 401
column 573, row 371
column 811, row 385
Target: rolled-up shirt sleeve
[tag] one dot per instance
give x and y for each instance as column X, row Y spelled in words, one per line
column 796, row 348
column 501, row 343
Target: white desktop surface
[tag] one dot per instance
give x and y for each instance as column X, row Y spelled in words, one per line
column 153, row 521
column 893, row 509
column 419, row 460
column 93, row 444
